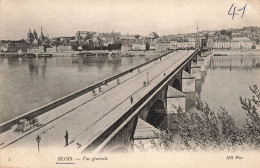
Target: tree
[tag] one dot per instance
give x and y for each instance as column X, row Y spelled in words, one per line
column 223, row 32
column 216, row 33
column 89, row 35
column 109, row 47
column 137, row 36
column 229, row 33
column 206, row 130
column 252, row 106
column 153, row 35
column 207, row 36
column 90, row 45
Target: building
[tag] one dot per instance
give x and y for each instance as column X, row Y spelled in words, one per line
column 153, row 47
column 235, row 45
column 13, row 46
column 162, row 47
column 221, row 45
column 153, row 35
column 33, row 39
column 241, row 43
column 80, row 34
column 51, row 50
column 138, row 47
column 173, row 45
column 191, row 39
column 210, row 43
column 60, row 49
column 182, row 46
column 126, row 47
column 29, row 36
column 3, row 47
column 41, row 37
column 107, row 42
column 33, row 50
column 247, row 45
column 127, row 37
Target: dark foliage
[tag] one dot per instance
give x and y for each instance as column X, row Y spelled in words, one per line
column 205, row 129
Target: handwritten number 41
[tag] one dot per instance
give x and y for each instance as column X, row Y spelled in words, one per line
column 234, row 11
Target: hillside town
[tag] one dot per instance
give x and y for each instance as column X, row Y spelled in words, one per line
column 226, row 39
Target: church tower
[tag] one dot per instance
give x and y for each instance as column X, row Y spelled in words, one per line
column 41, row 37
column 29, row 36
column 197, row 44
column 35, row 36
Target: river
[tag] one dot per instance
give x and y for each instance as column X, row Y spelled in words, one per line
column 228, row 78
column 26, row 84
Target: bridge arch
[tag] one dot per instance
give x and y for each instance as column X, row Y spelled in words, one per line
column 176, row 84
column 199, row 53
column 187, row 69
column 194, row 59
column 156, row 113
column 120, row 150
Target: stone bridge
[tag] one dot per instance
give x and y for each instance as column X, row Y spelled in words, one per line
column 104, row 117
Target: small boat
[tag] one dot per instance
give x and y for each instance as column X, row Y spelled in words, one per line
column 2, row 55
column 30, row 55
column 45, row 55
column 220, row 55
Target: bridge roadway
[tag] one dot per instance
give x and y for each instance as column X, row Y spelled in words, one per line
column 86, row 117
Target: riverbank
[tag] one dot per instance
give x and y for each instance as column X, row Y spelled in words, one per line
column 91, row 53
column 245, row 52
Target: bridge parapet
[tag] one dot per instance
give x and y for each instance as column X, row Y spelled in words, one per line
column 39, row 111
column 108, row 123
column 99, row 141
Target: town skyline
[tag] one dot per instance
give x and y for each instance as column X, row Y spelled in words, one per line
column 64, row 18
column 146, row 35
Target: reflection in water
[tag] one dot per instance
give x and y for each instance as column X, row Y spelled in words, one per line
column 28, row 83
column 235, row 62
column 33, row 66
column 228, row 78
column 12, row 61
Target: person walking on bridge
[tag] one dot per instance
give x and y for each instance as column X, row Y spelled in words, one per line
column 66, row 138
column 131, row 99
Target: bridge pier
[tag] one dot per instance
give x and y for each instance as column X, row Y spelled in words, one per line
column 175, row 100
column 188, row 88
column 196, row 70
column 163, row 106
column 207, row 60
column 204, row 61
column 188, row 82
column 143, row 134
column 201, row 62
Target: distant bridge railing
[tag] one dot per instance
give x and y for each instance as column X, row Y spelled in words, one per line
column 34, row 113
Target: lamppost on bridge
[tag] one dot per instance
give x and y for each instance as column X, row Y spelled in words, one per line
column 147, row 78
column 38, row 139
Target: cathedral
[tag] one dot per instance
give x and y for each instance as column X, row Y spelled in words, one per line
column 33, row 39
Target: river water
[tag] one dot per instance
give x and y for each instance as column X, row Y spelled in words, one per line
column 26, row 84
column 228, row 78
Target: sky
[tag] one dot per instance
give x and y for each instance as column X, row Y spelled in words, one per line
column 65, row 17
